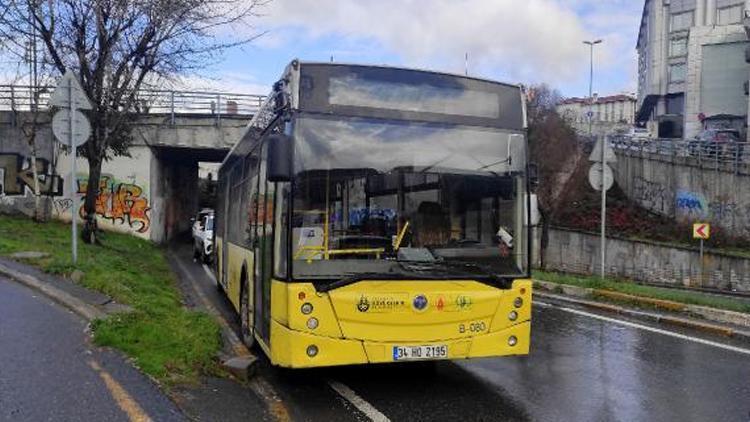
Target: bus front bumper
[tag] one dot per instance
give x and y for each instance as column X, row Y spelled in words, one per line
column 296, row 349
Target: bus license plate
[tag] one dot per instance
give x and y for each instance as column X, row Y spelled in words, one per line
column 420, row 352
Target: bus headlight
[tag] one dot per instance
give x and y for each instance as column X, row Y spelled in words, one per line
column 513, row 315
column 518, row 302
column 312, row 350
column 306, row 308
column 512, row 341
column 312, row 323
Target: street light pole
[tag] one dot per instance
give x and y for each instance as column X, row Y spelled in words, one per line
column 591, row 44
column 603, row 246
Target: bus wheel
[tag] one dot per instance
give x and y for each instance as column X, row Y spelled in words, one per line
column 246, row 330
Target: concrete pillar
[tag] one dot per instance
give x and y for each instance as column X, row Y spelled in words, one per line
column 700, row 12
column 710, row 12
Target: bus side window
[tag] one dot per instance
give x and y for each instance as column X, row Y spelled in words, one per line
column 249, row 198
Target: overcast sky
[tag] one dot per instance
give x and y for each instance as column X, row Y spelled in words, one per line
column 520, row 41
column 517, row 41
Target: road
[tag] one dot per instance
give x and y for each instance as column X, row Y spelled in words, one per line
column 49, row 371
column 583, row 367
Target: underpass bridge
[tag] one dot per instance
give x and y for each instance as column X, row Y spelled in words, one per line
column 152, row 191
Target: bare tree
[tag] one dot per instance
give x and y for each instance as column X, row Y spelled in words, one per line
column 119, row 46
column 554, row 148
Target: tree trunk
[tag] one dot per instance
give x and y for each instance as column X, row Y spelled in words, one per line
column 89, row 232
column 544, row 240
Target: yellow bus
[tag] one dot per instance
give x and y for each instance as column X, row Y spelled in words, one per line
column 373, row 214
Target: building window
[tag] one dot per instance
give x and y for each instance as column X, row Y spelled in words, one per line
column 678, row 47
column 677, row 72
column 729, row 15
column 681, row 21
column 675, row 104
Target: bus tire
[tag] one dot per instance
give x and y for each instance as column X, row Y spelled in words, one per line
column 246, row 330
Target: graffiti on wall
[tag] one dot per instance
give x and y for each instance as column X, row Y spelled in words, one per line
column 653, row 195
column 18, row 176
column 118, row 202
column 691, row 205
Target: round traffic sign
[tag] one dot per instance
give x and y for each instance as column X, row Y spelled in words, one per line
column 61, row 127
column 595, row 176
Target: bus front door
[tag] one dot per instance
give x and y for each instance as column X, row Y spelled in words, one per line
column 263, row 253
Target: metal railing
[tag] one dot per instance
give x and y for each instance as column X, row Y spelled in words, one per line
column 171, row 102
column 703, row 152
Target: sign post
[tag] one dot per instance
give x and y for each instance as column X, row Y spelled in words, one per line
column 702, row 231
column 601, row 177
column 72, row 129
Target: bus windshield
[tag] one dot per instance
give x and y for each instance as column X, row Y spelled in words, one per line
column 380, row 199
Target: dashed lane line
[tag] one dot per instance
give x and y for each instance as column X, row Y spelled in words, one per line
column 128, row 405
column 651, row 329
column 361, row 404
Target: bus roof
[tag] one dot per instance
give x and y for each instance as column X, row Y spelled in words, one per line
column 414, row 69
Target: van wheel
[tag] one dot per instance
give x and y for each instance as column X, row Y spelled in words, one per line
column 245, row 328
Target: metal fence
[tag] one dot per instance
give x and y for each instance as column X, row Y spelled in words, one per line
column 702, row 151
column 170, row 102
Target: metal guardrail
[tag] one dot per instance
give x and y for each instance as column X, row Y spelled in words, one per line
column 171, row 102
column 704, row 152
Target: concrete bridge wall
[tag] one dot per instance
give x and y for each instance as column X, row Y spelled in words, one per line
column 150, row 194
column 683, row 188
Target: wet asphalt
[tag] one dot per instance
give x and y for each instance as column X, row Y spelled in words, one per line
column 50, row 372
column 580, row 369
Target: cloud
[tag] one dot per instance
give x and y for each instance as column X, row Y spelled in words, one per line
column 530, row 40
column 226, row 81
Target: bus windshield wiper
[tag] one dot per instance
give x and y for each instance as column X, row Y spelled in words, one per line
column 486, row 270
column 352, row 278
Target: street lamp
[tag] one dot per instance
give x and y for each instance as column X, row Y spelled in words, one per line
column 591, row 44
column 603, row 163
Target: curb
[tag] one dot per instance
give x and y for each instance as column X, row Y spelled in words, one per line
column 71, row 302
column 651, row 317
column 720, row 316
column 241, row 362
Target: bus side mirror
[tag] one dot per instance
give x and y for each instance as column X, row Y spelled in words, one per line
column 279, row 164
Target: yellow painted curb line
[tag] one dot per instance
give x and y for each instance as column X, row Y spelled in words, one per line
column 658, row 303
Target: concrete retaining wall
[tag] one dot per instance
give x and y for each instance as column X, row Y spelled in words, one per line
column 577, row 252
column 679, row 187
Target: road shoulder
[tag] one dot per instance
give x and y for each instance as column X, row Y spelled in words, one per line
column 717, row 322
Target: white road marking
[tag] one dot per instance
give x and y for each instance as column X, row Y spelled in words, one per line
column 361, row 404
column 651, row 329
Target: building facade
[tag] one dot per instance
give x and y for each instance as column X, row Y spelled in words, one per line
column 610, row 114
column 692, row 71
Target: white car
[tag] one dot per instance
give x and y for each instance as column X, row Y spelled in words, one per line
column 203, row 236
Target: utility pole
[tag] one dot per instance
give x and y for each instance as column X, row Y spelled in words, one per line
column 603, row 246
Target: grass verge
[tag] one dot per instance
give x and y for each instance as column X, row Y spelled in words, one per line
column 628, row 287
column 165, row 339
